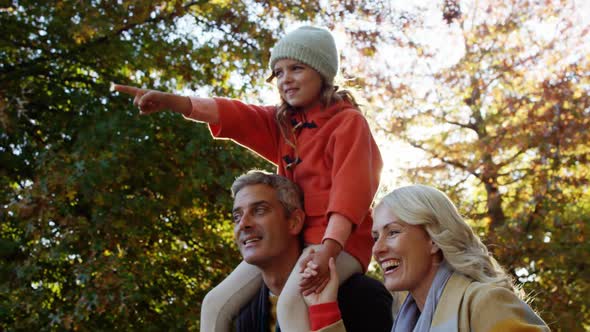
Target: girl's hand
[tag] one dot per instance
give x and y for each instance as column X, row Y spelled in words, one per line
column 316, row 274
column 151, row 101
column 330, row 291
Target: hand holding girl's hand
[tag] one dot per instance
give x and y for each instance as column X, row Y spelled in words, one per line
column 329, row 292
column 316, row 273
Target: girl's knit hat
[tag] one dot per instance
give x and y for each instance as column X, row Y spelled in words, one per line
column 312, row 46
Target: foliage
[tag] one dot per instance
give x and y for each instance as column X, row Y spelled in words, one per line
column 110, row 221
column 503, row 117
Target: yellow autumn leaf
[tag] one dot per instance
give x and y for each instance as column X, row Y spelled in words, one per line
column 71, row 194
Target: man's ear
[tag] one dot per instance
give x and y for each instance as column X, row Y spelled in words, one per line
column 296, row 221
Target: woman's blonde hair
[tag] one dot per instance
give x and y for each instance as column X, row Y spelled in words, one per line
column 460, row 246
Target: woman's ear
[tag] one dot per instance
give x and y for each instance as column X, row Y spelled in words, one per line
column 296, row 221
column 433, row 247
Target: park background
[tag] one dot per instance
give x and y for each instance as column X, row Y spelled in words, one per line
column 110, row 221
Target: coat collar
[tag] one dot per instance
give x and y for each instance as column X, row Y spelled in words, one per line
column 446, row 316
column 320, row 114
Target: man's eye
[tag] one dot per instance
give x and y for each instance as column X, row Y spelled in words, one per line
column 260, row 210
column 236, row 218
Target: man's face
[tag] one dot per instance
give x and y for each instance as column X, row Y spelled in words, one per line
column 261, row 228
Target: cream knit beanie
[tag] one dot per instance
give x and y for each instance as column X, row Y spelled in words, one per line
column 312, row 46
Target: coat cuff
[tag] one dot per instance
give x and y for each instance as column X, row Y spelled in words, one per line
column 339, row 229
column 200, row 104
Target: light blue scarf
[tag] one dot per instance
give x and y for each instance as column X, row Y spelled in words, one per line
column 409, row 317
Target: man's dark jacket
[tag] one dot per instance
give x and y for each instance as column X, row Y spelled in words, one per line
column 364, row 302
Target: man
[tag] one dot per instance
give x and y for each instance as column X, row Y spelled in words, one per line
column 268, row 219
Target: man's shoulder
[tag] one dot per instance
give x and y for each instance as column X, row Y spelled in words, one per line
column 365, row 304
column 361, row 282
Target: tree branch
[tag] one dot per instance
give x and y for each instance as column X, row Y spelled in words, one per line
column 35, row 66
column 443, row 159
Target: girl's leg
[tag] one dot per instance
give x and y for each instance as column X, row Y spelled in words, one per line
column 224, row 302
column 292, row 311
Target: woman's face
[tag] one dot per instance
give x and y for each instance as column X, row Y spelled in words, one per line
column 405, row 253
column 299, row 85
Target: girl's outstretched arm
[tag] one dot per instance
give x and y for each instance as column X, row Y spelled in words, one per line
column 151, row 101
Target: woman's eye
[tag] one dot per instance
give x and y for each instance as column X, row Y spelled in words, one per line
column 278, row 73
column 393, row 232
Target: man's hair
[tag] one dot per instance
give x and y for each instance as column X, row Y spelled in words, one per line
column 288, row 193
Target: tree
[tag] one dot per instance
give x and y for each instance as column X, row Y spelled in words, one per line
column 504, row 122
column 110, row 221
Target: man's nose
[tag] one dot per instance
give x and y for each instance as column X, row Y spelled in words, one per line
column 245, row 222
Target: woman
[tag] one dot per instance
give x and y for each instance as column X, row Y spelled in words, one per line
column 424, row 247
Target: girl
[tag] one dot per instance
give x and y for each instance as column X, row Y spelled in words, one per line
column 319, row 139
